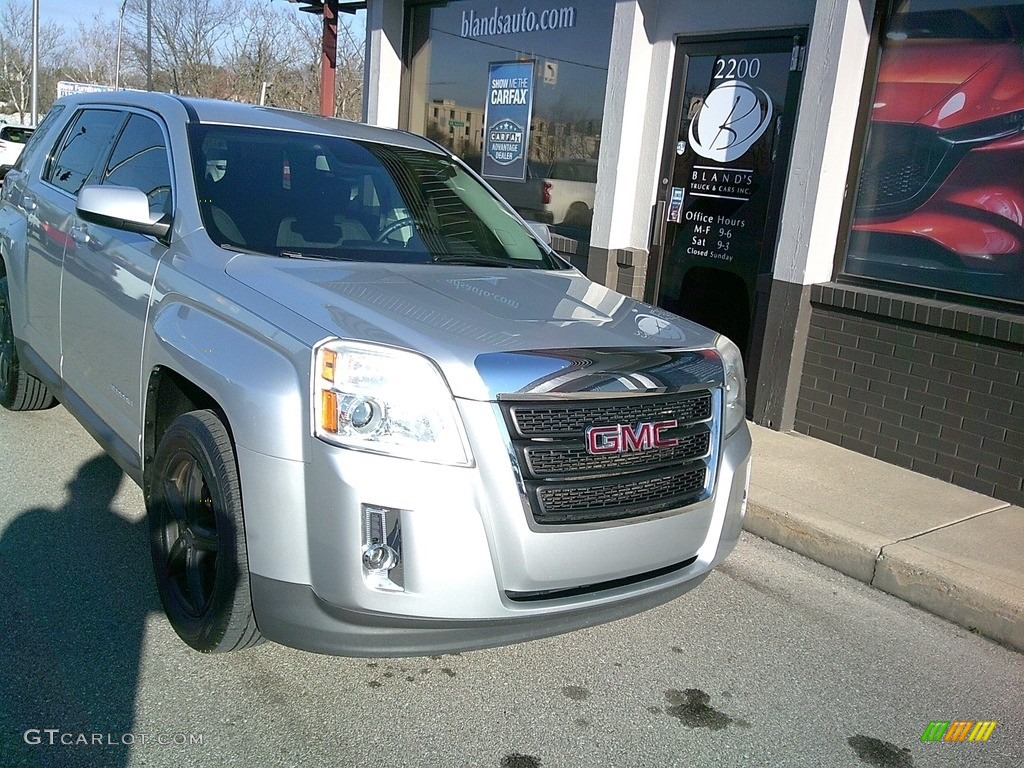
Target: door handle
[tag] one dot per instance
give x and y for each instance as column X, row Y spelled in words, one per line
column 80, row 235
column 658, row 238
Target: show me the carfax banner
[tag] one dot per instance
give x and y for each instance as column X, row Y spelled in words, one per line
column 507, row 120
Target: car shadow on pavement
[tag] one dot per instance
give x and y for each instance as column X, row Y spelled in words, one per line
column 76, row 590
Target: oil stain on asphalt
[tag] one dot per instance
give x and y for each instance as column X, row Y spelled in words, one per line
column 576, row 692
column 517, row 760
column 692, row 708
column 388, row 670
column 880, row 754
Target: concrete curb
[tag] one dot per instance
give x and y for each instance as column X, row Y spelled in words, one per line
column 963, row 597
column 951, row 552
column 919, row 577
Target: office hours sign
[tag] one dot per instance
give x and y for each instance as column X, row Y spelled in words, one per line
column 726, row 161
column 507, row 120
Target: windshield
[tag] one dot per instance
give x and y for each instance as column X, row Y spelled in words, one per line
column 308, row 195
column 15, row 133
column 940, row 19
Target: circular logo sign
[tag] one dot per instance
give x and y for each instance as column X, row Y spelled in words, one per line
column 650, row 325
column 733, row 116
column 506, row 142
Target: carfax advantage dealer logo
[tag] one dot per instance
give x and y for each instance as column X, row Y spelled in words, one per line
column 958, row 730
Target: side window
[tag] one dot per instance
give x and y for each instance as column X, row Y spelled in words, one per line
column 84, row 142
column 36, row 140
column 139, row 160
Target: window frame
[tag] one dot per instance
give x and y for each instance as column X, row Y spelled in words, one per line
column 884, row 11
column 171, row 205
column 64, row 141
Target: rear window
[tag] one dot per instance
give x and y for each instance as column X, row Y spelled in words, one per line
column 15, row 133
column 574, row 170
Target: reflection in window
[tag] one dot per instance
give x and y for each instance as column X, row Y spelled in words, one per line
column 83, row 144
column 310, row 195
column 139, row 160
column 940, row 199
column 449, row 63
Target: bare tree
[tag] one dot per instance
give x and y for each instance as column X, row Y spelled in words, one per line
column 349, row 74
column 275, row 44
column 92, row 56
column 572, row 133
column 16, row 54
column 257, row 52
column 219, row 48
column 187, row 38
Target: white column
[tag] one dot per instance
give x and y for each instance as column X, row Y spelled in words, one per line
column 826, row 122
column 815, row 199
column 382, row 78
column 623, row 198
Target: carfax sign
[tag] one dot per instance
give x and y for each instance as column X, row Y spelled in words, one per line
column 507, row 120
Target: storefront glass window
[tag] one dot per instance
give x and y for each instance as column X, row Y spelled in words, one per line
column 521, row 93
column 940, row 199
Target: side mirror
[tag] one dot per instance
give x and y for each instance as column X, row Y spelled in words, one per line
column 4, row 169
column 542, row 231
column 125, row 208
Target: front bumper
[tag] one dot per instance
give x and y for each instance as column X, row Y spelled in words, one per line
column 293, row 615
column 469, row 554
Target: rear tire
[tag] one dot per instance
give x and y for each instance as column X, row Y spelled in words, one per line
column 19, row 391
column 197, row 536
column 579, row 214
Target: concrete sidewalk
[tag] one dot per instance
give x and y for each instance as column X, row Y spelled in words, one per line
column 953, row 552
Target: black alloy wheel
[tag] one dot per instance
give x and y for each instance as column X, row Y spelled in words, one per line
column 19, row 391
column 197, row 535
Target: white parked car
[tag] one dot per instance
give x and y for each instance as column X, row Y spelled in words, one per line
column 12, row 141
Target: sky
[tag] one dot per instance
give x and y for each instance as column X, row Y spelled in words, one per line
column 69, row 11
column 62, row 10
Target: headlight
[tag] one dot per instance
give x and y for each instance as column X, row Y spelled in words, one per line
column 735, row 384
column 988, row 130
column 385, row 400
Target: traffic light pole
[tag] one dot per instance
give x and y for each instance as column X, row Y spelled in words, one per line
column 329, row 57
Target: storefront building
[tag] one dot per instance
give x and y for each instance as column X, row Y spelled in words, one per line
column 836, row 185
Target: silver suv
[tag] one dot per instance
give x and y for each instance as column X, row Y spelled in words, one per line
column 372, row 412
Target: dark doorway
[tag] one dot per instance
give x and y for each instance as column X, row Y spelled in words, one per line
column 732, row 114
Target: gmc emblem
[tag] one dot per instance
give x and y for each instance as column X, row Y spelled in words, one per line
column 622, row 438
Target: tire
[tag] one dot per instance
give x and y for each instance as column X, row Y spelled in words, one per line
column 19, row 391
column 579, row 214
column 197, row 536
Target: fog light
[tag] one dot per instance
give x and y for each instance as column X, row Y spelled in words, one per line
column 379, row 558
column 382, row 546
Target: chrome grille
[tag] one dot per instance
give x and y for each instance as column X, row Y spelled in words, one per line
column 568, row 485
column 569, row 459
column 562, row 504
column 540, row 420
column 903, row 165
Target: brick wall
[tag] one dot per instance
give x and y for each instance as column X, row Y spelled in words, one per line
column 936, row 388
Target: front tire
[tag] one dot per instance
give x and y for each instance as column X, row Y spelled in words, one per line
column 197, row 536
column 19, row 391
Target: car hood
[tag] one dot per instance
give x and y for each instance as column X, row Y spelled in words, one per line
column 945, row 84
column 494, row 330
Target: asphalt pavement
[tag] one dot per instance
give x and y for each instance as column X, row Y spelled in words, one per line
column 774, row 661
column 946, row 549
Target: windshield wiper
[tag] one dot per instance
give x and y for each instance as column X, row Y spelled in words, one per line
column 287, row 254
column 315, row 256
column 477, row 260
column 240, row 249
